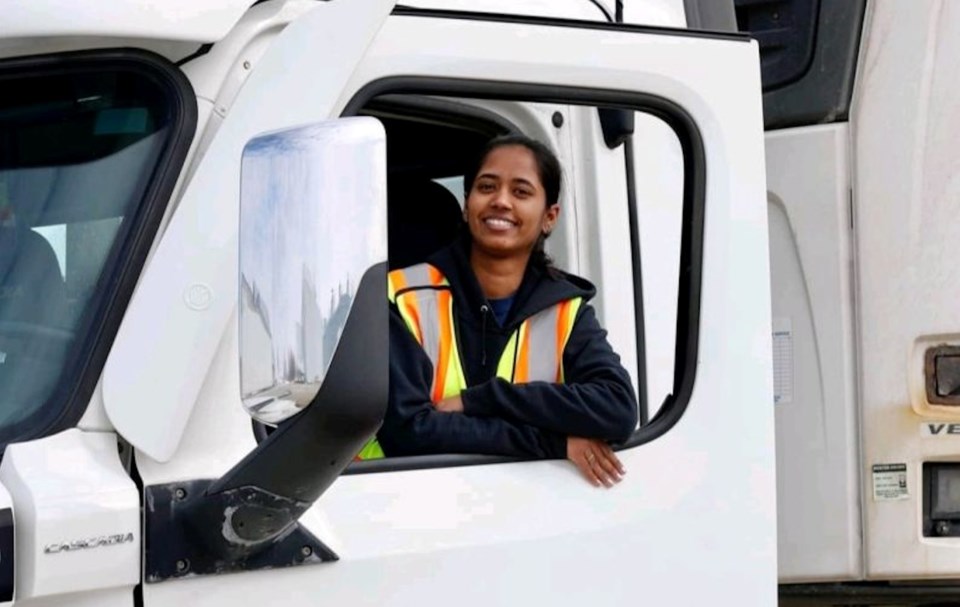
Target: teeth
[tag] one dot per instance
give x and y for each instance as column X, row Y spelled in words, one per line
column 496, row 222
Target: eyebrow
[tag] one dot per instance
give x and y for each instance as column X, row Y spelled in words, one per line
column 515, row 180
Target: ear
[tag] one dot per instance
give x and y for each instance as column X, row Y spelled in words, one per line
column 550, row 218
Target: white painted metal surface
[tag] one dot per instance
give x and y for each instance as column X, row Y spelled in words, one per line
column 192, row 20
column 77, row 518
column 688, row 498
column 114, row 597
column 560, row 9
column 149, row 398
column 907, row 143
column 811, row 249
column 218, row 75
column 666, row 13
column 95, row 417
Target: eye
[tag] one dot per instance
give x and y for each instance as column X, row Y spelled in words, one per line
column 522, row 192
column 485, row 187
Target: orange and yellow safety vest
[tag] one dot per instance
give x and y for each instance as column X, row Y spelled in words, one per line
column 533, row 353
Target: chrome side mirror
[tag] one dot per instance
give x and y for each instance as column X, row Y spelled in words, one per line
column 313, row 329
column 312, row 222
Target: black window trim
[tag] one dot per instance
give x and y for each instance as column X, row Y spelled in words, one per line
column 691, row 253
column 407, row 11
column 161, row 182
column 639, row 306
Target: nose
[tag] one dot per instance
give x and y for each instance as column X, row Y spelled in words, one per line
column 501, row 199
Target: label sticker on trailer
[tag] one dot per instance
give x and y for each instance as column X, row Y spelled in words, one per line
column 782, row 361
column 890, row 482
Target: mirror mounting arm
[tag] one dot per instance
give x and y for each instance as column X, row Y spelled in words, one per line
column 247, row 519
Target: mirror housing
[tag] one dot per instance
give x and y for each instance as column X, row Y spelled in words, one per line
column 312, row 221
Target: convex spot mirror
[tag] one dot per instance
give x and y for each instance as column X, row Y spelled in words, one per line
column 313, row 219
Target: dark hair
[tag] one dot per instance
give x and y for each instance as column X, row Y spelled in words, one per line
column 548, row 169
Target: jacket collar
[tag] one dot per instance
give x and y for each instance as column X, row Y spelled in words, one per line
column 538, row 290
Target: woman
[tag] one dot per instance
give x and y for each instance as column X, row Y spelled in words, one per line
column 495, row 351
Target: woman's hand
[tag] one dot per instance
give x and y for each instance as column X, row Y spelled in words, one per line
column 450, row 405
column 595, row 460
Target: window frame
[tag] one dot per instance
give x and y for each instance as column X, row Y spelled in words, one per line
column 692, row 231
column 448, row 112
column 71, row 399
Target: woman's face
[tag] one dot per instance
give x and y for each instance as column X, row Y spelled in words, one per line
column 506, row 208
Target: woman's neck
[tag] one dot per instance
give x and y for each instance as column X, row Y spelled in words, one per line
column 499, row 277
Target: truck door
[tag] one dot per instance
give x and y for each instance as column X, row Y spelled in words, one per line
column 692, row 521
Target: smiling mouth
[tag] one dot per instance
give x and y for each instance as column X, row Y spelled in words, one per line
column 499, row 224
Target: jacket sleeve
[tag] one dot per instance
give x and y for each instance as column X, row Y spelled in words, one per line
column 412, row 426
column 596, row 400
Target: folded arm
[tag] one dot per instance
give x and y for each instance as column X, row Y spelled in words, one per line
column 413, row 426
column 596, row 400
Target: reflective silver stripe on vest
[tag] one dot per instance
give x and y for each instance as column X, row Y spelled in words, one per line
column 429, row 322
column 417, row 277
column 543, row 357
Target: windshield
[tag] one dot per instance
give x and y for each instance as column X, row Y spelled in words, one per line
column 78, row 150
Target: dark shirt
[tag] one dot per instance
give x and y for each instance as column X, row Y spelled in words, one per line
column 501, row 307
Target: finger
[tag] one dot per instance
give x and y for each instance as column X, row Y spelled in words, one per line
column 598, row 470
column 587, row 471
column 611, row 456
column 609, row 453
column 607, row 462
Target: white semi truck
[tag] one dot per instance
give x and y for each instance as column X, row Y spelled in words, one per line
column 199, row 201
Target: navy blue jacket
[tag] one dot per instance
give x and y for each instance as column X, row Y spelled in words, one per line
column 501, row 418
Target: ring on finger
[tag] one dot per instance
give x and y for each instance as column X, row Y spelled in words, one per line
column 590, row 458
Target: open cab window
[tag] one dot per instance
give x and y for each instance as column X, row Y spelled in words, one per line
column 622, row 224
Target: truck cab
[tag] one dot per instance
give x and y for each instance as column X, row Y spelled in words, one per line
column 791, row 341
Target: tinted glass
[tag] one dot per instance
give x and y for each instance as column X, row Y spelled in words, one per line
column 77, row 152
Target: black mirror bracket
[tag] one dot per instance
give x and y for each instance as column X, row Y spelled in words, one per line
column 247, row 519
column 187, row 532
